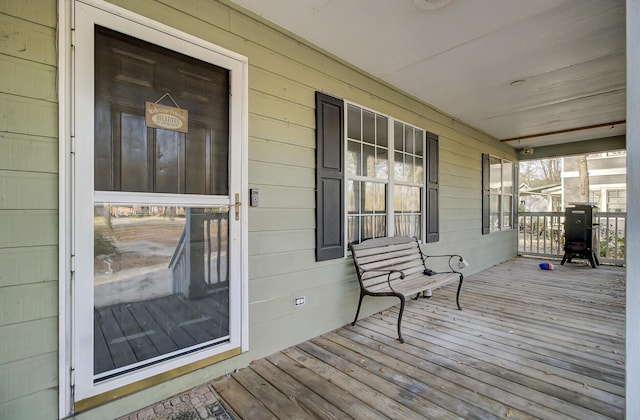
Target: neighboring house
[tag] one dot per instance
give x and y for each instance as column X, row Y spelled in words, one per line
column 607, row 180
column 540, row 199
column 134, row 264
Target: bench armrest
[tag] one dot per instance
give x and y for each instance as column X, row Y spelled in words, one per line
column 453, row 258
column 389, row 273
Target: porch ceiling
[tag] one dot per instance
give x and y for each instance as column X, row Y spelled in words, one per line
column 512, row 69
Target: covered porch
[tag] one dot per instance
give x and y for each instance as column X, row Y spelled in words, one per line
column 528, row 343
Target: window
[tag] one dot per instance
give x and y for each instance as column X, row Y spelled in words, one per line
column 367, row 171
column 498, row 197
column 381, row 201
column 595, row 196
column 408, row 173
column 389, row 170
column 617, row 200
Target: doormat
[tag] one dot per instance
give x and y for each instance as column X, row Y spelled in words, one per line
column 200, row 403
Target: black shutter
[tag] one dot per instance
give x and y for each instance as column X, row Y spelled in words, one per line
column 486, row 195
column 433, row 186
column 329, row 177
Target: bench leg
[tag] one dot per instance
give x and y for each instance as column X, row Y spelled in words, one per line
column 458, row 294
column 592, row 259
column 400, row 318
column 358, row 310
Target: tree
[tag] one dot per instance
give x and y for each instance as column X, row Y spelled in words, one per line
column 537, row 173
column 583, row 179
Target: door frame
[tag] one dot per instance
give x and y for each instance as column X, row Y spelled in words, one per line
column 79, row 16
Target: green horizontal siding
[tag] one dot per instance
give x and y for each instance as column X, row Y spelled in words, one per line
column 28, row 302
column 21, row 228
column 281, row 175
column 28, row 339
column 21, row 152
column 27, row 376
column 39, row 405
column 28, row 210
column 281, row 131
column 28, row 116
column 42, row 12
column 20, row 190
column 26, row 78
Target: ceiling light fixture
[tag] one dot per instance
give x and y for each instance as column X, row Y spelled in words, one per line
column 431, row 4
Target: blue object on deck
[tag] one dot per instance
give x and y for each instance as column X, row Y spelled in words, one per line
column 546, row 266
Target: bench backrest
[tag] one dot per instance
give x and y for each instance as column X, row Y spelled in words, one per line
column 392, row 253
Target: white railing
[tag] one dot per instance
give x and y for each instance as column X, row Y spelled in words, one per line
column 542, row 234
column 216, row 252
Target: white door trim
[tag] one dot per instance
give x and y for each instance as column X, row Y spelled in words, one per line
column 76, row 90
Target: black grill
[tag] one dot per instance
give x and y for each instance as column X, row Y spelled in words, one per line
column 580, row 240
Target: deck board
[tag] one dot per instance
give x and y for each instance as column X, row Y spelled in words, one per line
column 129, row 333
column 528, row 343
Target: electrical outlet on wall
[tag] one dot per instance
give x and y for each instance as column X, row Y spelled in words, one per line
column 299, row 301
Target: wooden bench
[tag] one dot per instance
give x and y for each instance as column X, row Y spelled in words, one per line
column 396, row 266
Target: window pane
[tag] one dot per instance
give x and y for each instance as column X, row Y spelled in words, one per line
column 368, row 127
column 381, row 131
column 418, row 175
column 506, row 211
column 369, row 160
column 616, row 200
column 495, row 212
column 398, row 167
column 374, row 199
column 353, row 196
column 380, row 224
column 408, row 139
column 368, row 227
column 408, row 225
column 398, row 135
column 373, row 226
column 507, row 177
column 382, row 163
column 353, row 229
column 353, row 122
column 131, row 157
column 419, row 142
column 408, row 216
column 407, row 199
column 354, row 166
column 409, row 169
column 495, row 175
column 161, row 282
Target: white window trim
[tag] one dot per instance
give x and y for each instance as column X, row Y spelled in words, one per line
column 390, row 182
column 502, row 195
column 86, row 12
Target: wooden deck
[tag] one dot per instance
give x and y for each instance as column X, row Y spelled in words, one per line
column 134, row 332
column 528, row 344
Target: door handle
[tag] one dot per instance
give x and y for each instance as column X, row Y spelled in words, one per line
column 237, row 206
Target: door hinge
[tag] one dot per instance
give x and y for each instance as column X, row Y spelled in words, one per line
column 73, row 145
column 72, row 261
column 72, row 383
